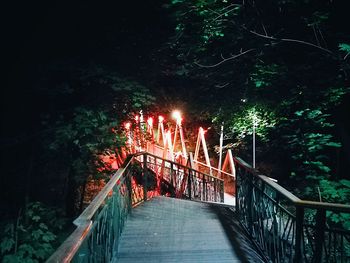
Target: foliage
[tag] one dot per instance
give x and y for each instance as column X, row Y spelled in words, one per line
column 346, row 48
column 90, row 134
column 308, row 143
column 33, row 237
column 263, row 75
column 283, row 59
column 138, row 175
column 80, row 129
column 239, row 125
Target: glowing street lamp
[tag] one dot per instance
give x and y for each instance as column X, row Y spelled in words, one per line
column 177, row 116
column 255, row 122
column 127, row 125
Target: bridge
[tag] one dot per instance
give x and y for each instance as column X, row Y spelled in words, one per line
column 165, row 206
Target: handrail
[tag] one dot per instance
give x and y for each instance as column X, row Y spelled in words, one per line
column 286, row 228
column 70, row 246
column 181, row 165
column 279, row 188
column 324, row 205
column 289, row 195
column 214, row 168
column 67, row 250
column 88, row 213
column 120, row 186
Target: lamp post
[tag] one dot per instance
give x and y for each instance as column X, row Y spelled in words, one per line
column 220, row 149
column 254, row 134
column 253, row 143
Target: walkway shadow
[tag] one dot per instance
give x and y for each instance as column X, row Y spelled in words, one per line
column 241, row 243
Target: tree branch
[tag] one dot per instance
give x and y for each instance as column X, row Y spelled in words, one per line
column 224, row 13
column 220, row 86
column 224, row 59
column 291, row 40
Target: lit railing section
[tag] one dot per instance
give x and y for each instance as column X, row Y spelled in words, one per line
column 141, row 177
column 184, row 182
column 100, row 225
column 286, row 228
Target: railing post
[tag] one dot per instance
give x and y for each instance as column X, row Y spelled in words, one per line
column 145, row 175
column 215, row 182
column 204, row 189
column 299, row 217
column 171, row 174
column 189, row 185
column 128, row 185
column 237, row 191
column 320, row 231
column 222, row 191
column 249, row 202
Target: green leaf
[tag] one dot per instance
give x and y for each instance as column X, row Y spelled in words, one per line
column 12, row 259
column 36, row 234
column 49, row 236
column 43, row 226
column 345, row 182
column 299, row 113
column 36, row 218
column 27, row 248
column 334, row 144
column 344, row 47
column 6, row 244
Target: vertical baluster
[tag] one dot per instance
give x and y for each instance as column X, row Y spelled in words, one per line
column 128, row 187
column 277, row 228
column 171, row 174
column 215, row 181
column 249, row 203
column 299, row 234
column 189, row 184
column 237, row 178
column 204, row 189
column 342, row 256
column 144, row 177
column 320, row 234
column 222, row 190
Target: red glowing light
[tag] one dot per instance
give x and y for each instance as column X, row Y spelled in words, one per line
column 150, row 121
column 201, row 130
column 127, row 125
column 177, row 116
column 161, row 118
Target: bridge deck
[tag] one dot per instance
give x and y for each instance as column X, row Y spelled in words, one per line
column 173, row 230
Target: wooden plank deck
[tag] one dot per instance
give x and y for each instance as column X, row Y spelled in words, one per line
column 173, row 230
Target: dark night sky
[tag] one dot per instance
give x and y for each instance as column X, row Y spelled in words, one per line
column 40, row 34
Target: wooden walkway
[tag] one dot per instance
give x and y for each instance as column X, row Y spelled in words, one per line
column 174, row 230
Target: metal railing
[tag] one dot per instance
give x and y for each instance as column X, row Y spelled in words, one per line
column 143, row 175
column 185, row 182
column 286, row 228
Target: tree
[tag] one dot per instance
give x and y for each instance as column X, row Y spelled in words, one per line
column 93, row 129
column 289, row 56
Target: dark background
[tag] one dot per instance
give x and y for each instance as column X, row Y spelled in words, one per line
column 40, row 35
